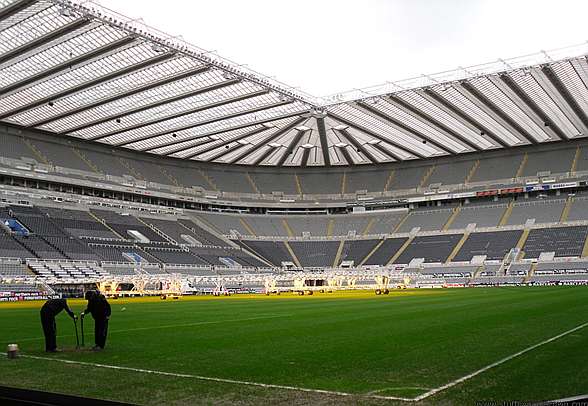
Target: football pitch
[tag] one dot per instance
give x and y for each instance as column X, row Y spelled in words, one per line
column 454, row 346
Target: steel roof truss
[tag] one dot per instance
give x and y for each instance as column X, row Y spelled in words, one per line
column 529, row 107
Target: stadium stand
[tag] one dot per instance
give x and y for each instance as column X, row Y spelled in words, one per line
column 384, row 253
column 315, row 253
column 482, row 215
column 563, row 241
column 274, row 252
column 542, row 210
column 426, row 220
column 494, row 245
column 432, row 248
column 125, row 224
column 357, row 250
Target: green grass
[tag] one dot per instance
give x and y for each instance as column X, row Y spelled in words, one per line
column 397, row 345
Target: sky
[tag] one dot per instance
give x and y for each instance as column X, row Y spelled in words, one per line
column 329, row 46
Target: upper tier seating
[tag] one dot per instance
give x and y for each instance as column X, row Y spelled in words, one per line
column 386, row 251
column 122, row 224
column 426, row 220
column 10, row 248
column 315, row 253
column 78, row 223
column 564, row 241
column 357, row 250
column 274, row 252
column 495, row 245
column 486, row 215
column 433, row 248
column 542, row 210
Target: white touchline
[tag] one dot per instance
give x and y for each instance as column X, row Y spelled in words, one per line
column 200, row 377
column 199, row 323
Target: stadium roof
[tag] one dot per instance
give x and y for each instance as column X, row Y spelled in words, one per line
column 78, row 69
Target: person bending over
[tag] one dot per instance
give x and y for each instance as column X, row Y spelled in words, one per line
column 50, row 309
column 99, row 308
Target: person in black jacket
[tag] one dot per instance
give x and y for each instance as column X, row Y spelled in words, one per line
column 50, row 309
column 100, row 310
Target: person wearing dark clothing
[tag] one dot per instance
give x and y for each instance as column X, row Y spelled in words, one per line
column 50, row 309
column 99, row 308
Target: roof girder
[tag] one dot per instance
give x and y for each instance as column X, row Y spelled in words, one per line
column 525, row 103
column 44, row 40
column 270, row 138
column 132, row 92
column 442, row 128
column 228, row 149
column 87, row 85
column 347, row 156
column 208, row 121
column 215, row 132
column 377, row 136
column 68, row 65
column 358, row 145
column 15, row 8
column 404, row 128
column 560, row 94
column 171, row 116
column 461, row 116
column 213, row 147
column 320, row 123
column 291, row 146
column 483, row 103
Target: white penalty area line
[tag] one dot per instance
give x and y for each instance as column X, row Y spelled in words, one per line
column 198, row 323
column 321, row 391
column 497, row 363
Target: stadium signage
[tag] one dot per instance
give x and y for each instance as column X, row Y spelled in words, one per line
column 21, row 296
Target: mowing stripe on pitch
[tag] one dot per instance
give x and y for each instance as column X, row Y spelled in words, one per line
column 200, row 377
column 198, row 323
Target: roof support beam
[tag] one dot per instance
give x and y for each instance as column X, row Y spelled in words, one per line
column 269, row 139
column 377, row 136
column 347, row 156
column 476, row 97
column 153, row 105
column 323, row 139
column 43, row 40
column 215, row 132
column 205, row 122
column 240, row 137
column 71, row 64
column 87, row 85
column 15, row 8
column 305, row 156
column 461, row 116
column 403, row 128
column 562, row 97
column 358, row 146
column 528, row 105
column 228, row 149
column 290, row 148
column 442, row 128
column 386, row 152
column 269, row 150
column 143, row 124
column 120, row 96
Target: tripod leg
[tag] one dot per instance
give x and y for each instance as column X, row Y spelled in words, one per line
column 82, row 326
column 77, row 337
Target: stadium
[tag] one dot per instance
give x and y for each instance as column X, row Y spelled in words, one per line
column 420, row 242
